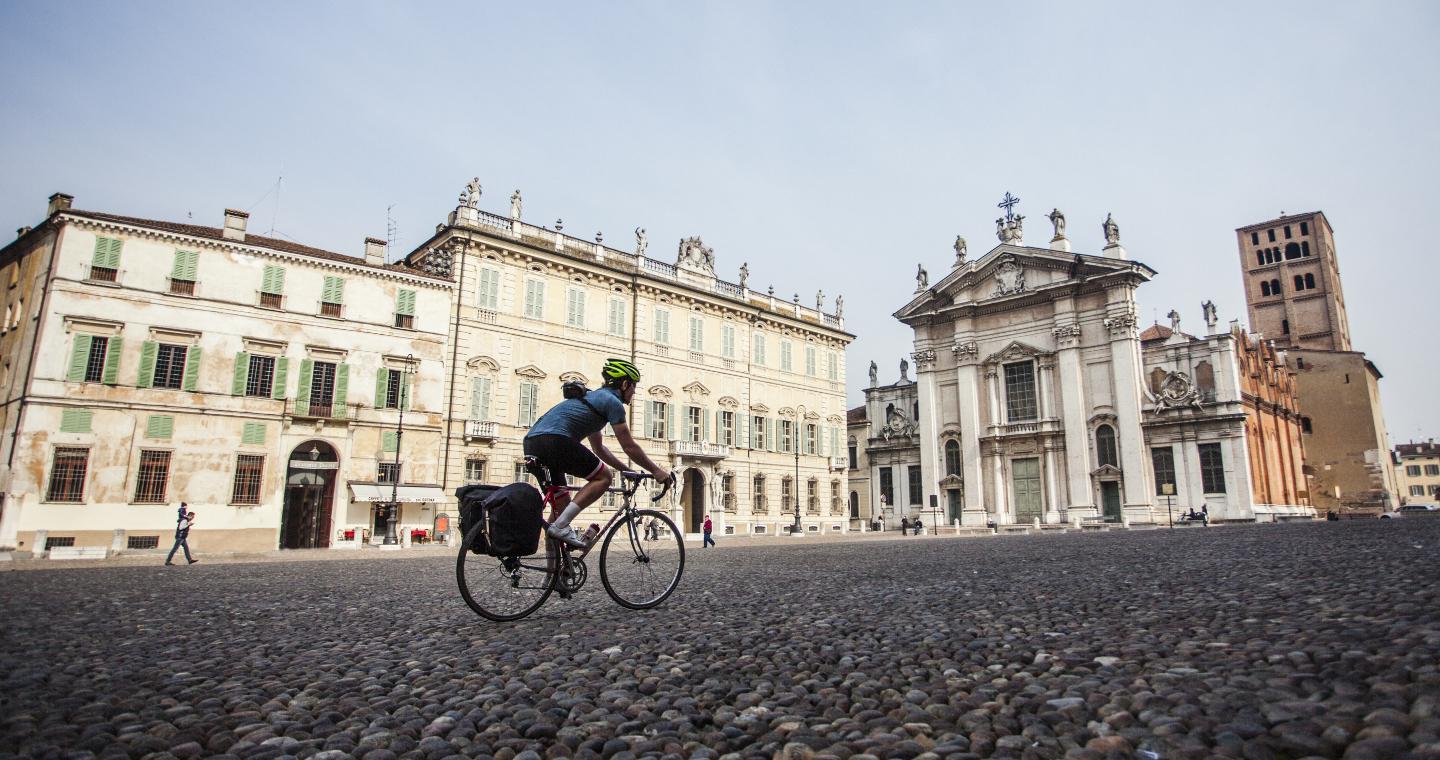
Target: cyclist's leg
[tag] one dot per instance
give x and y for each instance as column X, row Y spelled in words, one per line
column 595, row 484
column 562, row 456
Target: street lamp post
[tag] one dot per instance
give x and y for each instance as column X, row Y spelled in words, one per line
column 796, row 529
column 392, row 517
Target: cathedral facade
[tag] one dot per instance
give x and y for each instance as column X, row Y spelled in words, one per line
column 1028, row 367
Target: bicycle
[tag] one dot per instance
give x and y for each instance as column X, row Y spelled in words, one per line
column 638, row 572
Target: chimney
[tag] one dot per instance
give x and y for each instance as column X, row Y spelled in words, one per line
column 22, row 232
column 59, row 202
column 235, row 224
column 375, row 251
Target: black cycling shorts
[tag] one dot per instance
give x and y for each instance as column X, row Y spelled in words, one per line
column 561, row 456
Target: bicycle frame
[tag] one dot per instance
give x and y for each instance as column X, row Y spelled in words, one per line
column 627, row 508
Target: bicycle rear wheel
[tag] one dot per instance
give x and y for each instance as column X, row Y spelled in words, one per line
column 640, row 573
column 505, row 588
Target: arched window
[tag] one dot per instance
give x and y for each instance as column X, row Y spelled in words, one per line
column 1264, row 288
column 1259, row 259
column 952, row 457
column 1105, row 451
column 1309, row 281
column 1275, row 287
column 1299, row 282
column 1292, row 251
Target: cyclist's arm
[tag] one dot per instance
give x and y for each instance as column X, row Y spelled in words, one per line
column 631, row 448
column 597, row 444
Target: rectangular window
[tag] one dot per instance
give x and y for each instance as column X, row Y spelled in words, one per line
column 260, row 377
column 787, row 436
column 916, row 496
column 142, row 542
column 153, row 477
column 786, row 490
column 1412, row 470
column 105, row 265
column 694, row 423
column 786, row 365
column 887, row 486
column 405, row 308
column 529, row 400
column 272, row 287
column 758, row 355
column 95, row 362
column 1417, row 490
column 1212, row 468
column 662, row 326
column 480, row 398
column 248, row 471
column 1255, row 238
column 1270, row 234
column 617, row 318
column 832, row 371
column 852, row 456
column 332, row 296
column 575, row 307
column 1432, row 469
column 322, row 389
column 727, row 428
column 812, row 434
column 534, row 299
column 1304, row 228
column 697, row 334
column 1020, row 392
column 474, row 470
column 67, row 474
column 169, row 366
column 659, row 426
column 810, row 361
column 757, row 432
column 394, row 381
column 757, row 498
column 727, row 341
column 182, row 273
column 489, row 296
column 1163, row 458
column 387, row 472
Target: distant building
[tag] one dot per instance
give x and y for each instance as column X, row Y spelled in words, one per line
column 1291, row 273
column 1417, row 467
column 858, row 472
column 889, row 442
column 1224, row 397
column 147, row 363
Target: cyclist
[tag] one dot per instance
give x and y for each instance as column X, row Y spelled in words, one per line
column 555, row 441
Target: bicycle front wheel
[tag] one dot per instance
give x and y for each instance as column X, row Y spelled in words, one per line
column 505, row 588
column 640, row 572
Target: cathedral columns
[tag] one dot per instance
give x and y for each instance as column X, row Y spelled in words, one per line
column 968, row 376
column 929, row 422
column 1081, row 501
column 1138, row 490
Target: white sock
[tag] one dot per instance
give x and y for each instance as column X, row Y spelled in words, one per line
column 566, row 516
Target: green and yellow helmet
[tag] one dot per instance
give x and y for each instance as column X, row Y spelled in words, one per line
column 619, row 370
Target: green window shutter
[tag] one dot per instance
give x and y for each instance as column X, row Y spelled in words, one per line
column 388, row 441
column 475, row 397
column 160, row 426
column 282, row 374
column 670, row 422
column 820, row 441
column 744, row 423
column 342, row 387
column 769, row 434
column 107, row 253
column 649, row 419
column 75, row 421
column 302, row 392
column 146, row 376
column 273, row 281
column 192, row 368
column 405, row 303
column 484, row 398
column 705, row 425
column 334, row 290
column 254, row 434
column 185, row 265
column 111, row 375
column 242, row 373
column 79, row 355
column 382, row 386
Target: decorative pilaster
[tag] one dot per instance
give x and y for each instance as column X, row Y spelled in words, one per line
column 929, row 422
column 1080, row 499
column 1052, row 491
column 1139, row 491
column 968, row 388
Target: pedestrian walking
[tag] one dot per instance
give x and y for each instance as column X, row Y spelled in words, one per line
column 904, row 526
column 182, row 535
column 709, row 542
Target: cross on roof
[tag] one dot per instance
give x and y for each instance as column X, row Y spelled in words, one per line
column 1008, row 203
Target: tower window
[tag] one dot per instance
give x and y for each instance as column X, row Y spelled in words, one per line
column 1299, row 282
column 1260, row 258
column 1287, row 232
column 1292, row 251
column 1255, row 238
column 1270, row 234
column 1275, row 287
column 1304, row 228
column 1309, row 280
column 1305, row 425
column 1284, row 327
column 1304, row 247
column 1264, row 288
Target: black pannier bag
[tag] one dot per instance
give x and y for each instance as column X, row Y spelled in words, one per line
column 514, row 517
column 472, row 511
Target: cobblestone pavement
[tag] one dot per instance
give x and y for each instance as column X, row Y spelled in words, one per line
column 1268, row 641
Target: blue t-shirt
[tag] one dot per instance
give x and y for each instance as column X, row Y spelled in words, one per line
column 574, row 420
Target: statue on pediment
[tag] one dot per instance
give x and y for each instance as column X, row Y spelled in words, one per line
column 1174, row 321
column 744, row 274
column 820, row 301
column 1057, row 219
column 641, row 242
column 904, row 370
column 840, row 306
column 874, row 374
column 1208, row 307
column 515, row 205
column 1112, row 230
column 470, row 196
column 922, row 278
column 960, row 250
column 695, row 255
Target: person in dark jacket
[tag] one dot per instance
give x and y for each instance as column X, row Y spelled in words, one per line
column 182, row 535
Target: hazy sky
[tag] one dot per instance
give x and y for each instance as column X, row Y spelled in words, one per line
column 831, row 145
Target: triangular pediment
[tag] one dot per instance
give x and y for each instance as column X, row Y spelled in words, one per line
column 1016, row 351
column 696, row 388
column 530, row 370
column 760, row 407
column 1105, row 470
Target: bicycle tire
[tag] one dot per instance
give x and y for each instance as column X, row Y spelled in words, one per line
column 630, row 562
column 501, row 593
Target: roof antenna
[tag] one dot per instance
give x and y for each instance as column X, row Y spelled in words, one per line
column 392, row 230
column 276, row 213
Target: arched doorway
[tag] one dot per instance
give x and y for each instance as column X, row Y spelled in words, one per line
column 309, row 496
column 692, row 500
